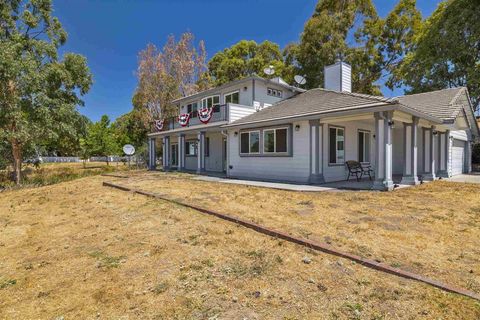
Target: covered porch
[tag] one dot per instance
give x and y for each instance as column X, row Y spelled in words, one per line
column 195, row 151
column 400, row 148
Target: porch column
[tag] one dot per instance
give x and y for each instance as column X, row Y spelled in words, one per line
column 152, row 154
column 383, row 151
column 410, row 136
column 166, row 153
column 201, row 152
column 181, row 152
column 429, row 159
column 316, row 152
column 443, row 146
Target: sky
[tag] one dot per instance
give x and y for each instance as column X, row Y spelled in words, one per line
column 110, row 33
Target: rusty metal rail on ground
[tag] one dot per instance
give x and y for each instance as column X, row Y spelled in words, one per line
column 307, row 243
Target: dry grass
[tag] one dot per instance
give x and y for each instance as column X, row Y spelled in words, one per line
column 82, row 251
column 433, row 229
column 51, row 173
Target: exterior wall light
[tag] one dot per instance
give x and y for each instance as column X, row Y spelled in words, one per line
column 435, row 132
column 235, row 133
column 297, row 127
column 391, row 123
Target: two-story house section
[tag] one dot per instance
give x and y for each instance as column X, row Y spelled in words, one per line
column 194, row 140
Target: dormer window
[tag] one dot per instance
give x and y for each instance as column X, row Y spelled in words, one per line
column 210, row 102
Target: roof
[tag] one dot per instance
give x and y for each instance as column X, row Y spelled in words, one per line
column 442, row 104
column 313, row 101
column 275, row 81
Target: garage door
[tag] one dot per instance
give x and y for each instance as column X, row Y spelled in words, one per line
column 458, row 156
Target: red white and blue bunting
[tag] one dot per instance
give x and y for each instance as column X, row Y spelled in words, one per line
column 205, row 115
column 159, row 124
column 183, row 119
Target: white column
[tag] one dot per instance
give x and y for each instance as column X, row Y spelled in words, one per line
column 429, row 146
column 410, row 136
column 166, row 153
column 181, row 152
column 201, row 152
column 383, row 151
column 152, row 154
column 316, row 152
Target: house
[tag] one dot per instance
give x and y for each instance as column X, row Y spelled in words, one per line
column 268, row 130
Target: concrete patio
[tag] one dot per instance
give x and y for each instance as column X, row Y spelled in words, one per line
column 352, row 185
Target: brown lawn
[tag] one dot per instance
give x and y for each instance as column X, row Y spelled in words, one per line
column 81, row 251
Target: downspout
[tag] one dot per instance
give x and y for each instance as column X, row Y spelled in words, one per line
column 253, row 91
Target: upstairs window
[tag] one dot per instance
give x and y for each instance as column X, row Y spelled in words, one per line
column 233, row 97
column 250, row 142
column 212, row 101
column 274, row 92
column 363, row 146
column 275, row 140
column 337, row 145
column 192, row 108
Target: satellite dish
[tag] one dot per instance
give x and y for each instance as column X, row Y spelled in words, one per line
column 128, row 149
column 269, row 70
column 300, row 79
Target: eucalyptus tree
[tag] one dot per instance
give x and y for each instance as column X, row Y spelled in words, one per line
column 39, row 91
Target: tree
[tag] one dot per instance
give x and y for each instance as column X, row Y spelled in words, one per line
column 325, row 39
column 446, row 51
column 130, row 128
column 246, row 58
column 38, row 91
column 178, row 70
column 100, row 140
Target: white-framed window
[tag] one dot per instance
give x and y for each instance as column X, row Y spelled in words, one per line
column 191, row 148
column 211, row 101
column 275, row 140
column 274, row 92
column 336, row 145
column 363, row 146
column 233, row 97
column 250, row 142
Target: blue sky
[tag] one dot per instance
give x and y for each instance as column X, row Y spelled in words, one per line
column 110, row 33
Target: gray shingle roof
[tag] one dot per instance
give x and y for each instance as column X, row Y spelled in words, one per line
column 442, row 104
column 313, row 101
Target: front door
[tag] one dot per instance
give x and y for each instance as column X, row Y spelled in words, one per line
column 174, row 156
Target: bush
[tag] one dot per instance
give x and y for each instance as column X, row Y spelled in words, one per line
column 476, row 153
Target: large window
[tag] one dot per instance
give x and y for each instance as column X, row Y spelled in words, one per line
column 275, row 140
column 212, row 101
column 363, row 146
column 233, row 97
column 250, row 142
column 336, row 145
column 191, row 148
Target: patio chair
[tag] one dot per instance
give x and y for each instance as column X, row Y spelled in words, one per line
column 357, row 169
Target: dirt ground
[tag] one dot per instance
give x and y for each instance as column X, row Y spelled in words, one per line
column 78, row 250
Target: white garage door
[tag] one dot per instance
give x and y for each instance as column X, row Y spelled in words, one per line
column 458, row 156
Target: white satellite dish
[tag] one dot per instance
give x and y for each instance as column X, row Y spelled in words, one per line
column 270, row 70
column 300, row 79
column 128, row 149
